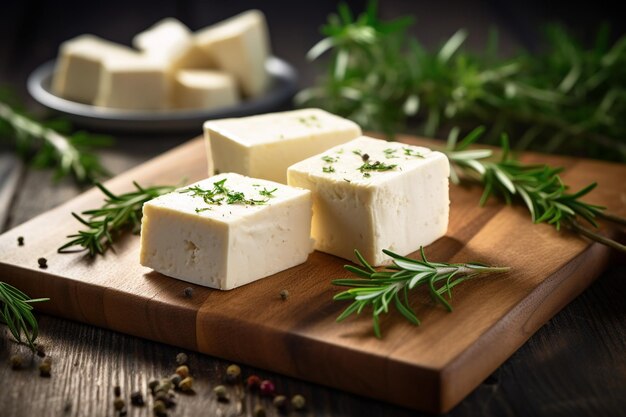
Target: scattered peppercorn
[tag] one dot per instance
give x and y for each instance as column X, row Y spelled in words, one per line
column 166, row 397
column 152, row 385
column 16, row 362
column 183, row 371
column 20, row 241
column 45, row 367
column 220, row 393
column 186, row 385
column 284, row 294
column 118, row 403
column 136, row 398
column 181, row 359
column 117, row 391
column 188, row 292
column 253, row 382
column 159, row 408
column 164, row 385
column 40, row 349
column 233, row 374
column 365, row 157
column 280, row 402
column 259, row 411
column 298, row 402
column 123, row 412
column 43, row 263
column 267, row 388
column 175, row 380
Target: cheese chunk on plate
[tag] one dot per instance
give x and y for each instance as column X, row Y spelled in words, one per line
column 265, row 146
column 173, row 42
column 226, row 231
column 134, row 82
column 79, row 66
column 240, row 46
column 204, row 89
column 370, row 195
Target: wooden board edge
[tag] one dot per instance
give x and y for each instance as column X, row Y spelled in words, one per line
column 463, row 374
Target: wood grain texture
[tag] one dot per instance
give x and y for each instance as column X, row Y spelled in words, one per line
column 447, row 357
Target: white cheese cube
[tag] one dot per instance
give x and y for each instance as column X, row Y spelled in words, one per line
column 79, row 66
column 226, row 231
column 204, row 89
column 134, row 82
column 173, row 42
column 265, row 146
column 370, row 195
column 240, row 46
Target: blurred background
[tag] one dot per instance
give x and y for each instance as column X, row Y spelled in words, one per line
column 31, row 30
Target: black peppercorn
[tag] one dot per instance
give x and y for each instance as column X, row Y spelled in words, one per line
column 365, row 157
column 284, row 295
column 181, row 359
column 136, row 398
column 16, row 362
column 118, row 404
column 43, row 263
column 117, row 391
column 188, row 292
column 20, row 241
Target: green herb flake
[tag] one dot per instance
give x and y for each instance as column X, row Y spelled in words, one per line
column 412, row 152
column 268, row 193
column 328, row 169
column 367, row 167
column 329, row 159
column 390, row 153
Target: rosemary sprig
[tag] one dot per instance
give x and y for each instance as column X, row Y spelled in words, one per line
column 16, row 313
column 118, row 213
column 569, row 98
column 390, row 287
column 538, row 186
column 46, row 145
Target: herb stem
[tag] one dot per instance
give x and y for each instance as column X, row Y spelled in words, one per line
column 597, row 237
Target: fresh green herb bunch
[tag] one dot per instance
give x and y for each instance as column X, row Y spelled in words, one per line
column 49, row 145
column 118, row 213
column 539, row 187
column 569, row 99
column 16, row 312
column 390, row 287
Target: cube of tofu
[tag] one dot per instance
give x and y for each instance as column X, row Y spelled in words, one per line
column 240, row 46
column 265, row 146
column 79, row 66
column 226, row 231
column 134, row 82
column 370, row 195
column 204, row 89
column 173, row 42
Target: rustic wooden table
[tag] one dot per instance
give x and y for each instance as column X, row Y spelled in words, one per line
column 575, row 365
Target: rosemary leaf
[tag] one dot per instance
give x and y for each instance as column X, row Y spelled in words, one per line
column 16, row 312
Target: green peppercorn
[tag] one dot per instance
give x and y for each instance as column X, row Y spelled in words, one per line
column 233, row 374
column 280, row 402
column 298, row 402
column 16, row 361
column 118, row 403
column 259, row 411
column 164, row 385
column 183, row 371
column 181, row 359
column 159, row 408
column 220, row 393
column 186, row 385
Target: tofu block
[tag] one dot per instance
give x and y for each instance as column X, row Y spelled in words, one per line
column 226, row 231
column 370, row 195
column 79, row 66
column 134, row 82
column 240, row 46
column 204, row 89
column 265, row 146
column 173, row 42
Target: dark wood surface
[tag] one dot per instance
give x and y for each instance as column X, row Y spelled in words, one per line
column 573, row 366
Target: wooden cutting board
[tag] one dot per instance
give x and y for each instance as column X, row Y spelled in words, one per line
column 431, row 367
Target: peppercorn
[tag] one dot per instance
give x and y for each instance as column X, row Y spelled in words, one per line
column 183, row 371
column 164, row 385
column 181, row 359
column 40, row 349
column 20, row 241
column 167, row 398
column 175, row 378
column 118, row 403
column 152, row 385
column 117, row 391
column 233, row 373
column 16, row 361
column 186, row 384
column 267, row 388
column 284, row 294
column 365, row 157
column 298, row 402
column 220, row 393
column 259, row 411
column 43, row 263
column 280, row 402
column 123, row 412
column 159, row 408
column 188, row 292
column 136, row 398
column 253, row 382
column 45, row 367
